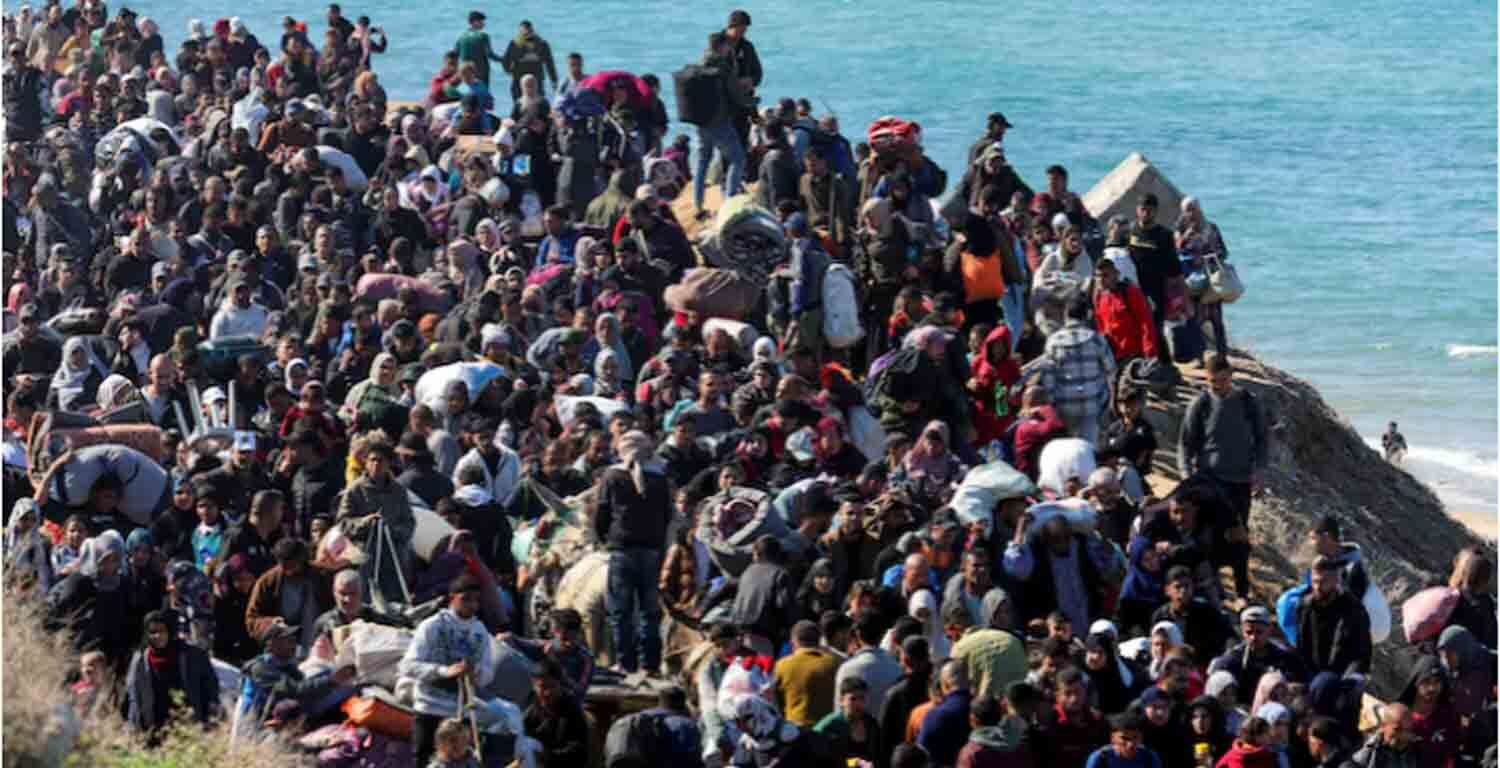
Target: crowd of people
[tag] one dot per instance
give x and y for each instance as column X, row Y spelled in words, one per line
column 326, row 317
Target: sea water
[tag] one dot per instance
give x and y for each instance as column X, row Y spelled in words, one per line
column 1346, row 150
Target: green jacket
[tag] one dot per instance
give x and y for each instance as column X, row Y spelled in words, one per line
column 474, row 45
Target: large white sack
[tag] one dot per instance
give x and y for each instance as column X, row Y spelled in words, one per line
column 866, row 433
column 434, row 383
column 567, row 407
column 377, row 651
column 1081, row 515
column 353, row 174
column 985, row 486
column 431, row 531
column 1063, row 459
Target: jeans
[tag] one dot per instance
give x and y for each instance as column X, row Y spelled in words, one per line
column 631, row 593
column 719, row 136
column 1083, row 425
column 423, row 736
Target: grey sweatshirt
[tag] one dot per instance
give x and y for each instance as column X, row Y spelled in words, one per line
column 1226, row 437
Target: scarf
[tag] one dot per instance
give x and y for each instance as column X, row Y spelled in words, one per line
column 925, row 461
column 161, row 661
column 69, row 381
column 932, row 627
column 294, row 389
column 636, row 451
column 111, row 389
column 95, row 551
column 828, row 426
column 767, row 730
column 1174, row 636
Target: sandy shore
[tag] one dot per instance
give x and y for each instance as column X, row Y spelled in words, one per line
column 1483, row 524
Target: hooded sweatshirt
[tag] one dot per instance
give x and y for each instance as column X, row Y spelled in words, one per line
column 994, row 378
column 998, row 746
column 232, row 320
column 440, row 641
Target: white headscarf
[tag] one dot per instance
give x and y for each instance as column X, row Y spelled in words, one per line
column 295, row 390
column 937, row 642
column 111, row 389
column 767, row 730
column 637, row 455
column 69, row 381
column 94, row 552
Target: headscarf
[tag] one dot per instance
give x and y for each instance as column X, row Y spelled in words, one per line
column 357, row 392
column 605, row 384
column 767, row 730
column 468, row 259
column 1174, row 636
column 295, row 390
column 489, row 227
column 932, row 627
column 923, row 336
column 27, row 550
column 196, row 30
column 636, row 452
column 1265, row 688
column 764, row 351
column 583, row 261
column 531, row 93
column 68, row 380
column 995, row 601
column 622, row 355
column 93, row 554
column 137, row 540
column 924, row 461
column 416, row 191
column 225, row 574
column 1218, row 682
column 1273, row 712
column 110, row 390
column 828, row 425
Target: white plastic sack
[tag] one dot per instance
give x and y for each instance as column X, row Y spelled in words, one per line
column 841, row 328
column 377, row 651
column 230, row 679
column 1081, row 515
column 145, row 481
column 353, row 174
column 739, row 681
column 985, row 486
column 250, row 113
column 434, row 383
column 866, row 433
column 743, row 333
column 1064, row 459
column 431, row 530
column 567, row 407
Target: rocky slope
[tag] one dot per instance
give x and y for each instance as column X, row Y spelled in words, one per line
column 1320, row 465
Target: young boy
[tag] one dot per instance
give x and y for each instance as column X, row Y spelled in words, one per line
column 453, row 746
column 65, row 554
column 1125, row 748
column 851, row 729
column 566, row 648
column 208, row 537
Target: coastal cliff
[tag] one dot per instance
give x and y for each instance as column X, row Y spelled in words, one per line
column 1319, row 465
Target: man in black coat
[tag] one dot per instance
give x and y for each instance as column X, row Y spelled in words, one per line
column 24, row 86
column 421, row 476
column 1155, row 254
column 1202, row 625
column 766, row 602
column 1333, row 628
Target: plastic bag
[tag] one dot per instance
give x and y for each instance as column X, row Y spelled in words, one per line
column 1065, row 459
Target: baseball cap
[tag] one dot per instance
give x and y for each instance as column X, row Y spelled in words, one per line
column 214, row 395
column 998, row 118
column 1255, row 614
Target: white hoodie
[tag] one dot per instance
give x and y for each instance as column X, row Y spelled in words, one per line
column 233, row 321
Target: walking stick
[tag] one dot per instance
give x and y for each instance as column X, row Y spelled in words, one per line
column 400, row 575
column 466, row 701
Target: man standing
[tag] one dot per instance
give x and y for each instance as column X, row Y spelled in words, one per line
column 474, row 46
column 804, row 681
column 994, row 133
column 870, row 662
column 1256, row 654
column 501, row 465
column 1224, row 437
column 745, row 67
column 570, row 84
column 722, row 132
column 24, row 84
column 1155, row 254
column 1085, row 370
column 528, row 54
column 447, row 649
column 945, row 729
column 1333, row 628
column 1122, row 314
column 1202, row 625
column 765, row 604
column 635, row 508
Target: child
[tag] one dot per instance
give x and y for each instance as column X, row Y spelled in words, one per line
column 1133, row 439
column 28, row 557
column 209, row 535
column 91, row 683
column 852, row 730
column 65, row 555
column 566, row 649
column 909, row 308
column 453, row 746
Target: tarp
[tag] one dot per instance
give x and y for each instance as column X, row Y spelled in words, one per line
column 731, row 552
column 1062, row 460
column 1120, row 190
column 145, row 481
column 430, row 298
column 434, row 383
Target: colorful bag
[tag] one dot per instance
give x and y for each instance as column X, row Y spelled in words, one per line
column 1424, row 614
column 379, row 717
column 983, row 277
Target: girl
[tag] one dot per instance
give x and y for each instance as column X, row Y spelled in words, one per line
column 28, row 559
column 996, row 372
column 65, row 558
column 1133, row 439
column 208, row 537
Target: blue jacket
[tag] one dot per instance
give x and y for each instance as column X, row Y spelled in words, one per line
column 1141, row 584
column 945, row 729
column 559, row 246
column 1105, row 757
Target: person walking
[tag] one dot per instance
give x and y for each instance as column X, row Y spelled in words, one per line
column 474, row 46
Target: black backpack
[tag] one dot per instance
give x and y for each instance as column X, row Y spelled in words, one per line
column 700, row 93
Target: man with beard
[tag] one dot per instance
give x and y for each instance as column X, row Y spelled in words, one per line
column 1154, row 251
column 23, row 89
column 28, row 351
column 501, row 466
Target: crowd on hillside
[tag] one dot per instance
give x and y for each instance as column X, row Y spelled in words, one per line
column 286, row 358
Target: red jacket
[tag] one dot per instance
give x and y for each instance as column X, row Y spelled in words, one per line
column 1032, row 433
column 1124, row 318
column 1242, row 755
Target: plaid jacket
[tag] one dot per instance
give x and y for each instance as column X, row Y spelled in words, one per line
column 1084, row 369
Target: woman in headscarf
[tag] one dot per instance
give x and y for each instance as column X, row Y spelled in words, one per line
column 765, row 738
column 607, row 336
column 91, row 602
column 834, row 452
column 28, row 556
column 1164, row 637
column 76, row 382
column 382, row 378
column 115, row 392
column 144, row 584
column 295, row 376
column 608, row 381
column 1113, row 682
column 930, row 463
column 1271, row 688
column 1205, row 720
column 531, row 96
column 232, row 584
column 923, row 606
column 1199, row 238
column 1470, row 667
column 818, row 592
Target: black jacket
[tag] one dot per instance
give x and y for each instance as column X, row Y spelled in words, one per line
column 427, row 483
column 315, row 492
column 1155, row 255
column 1334, row 636
column 766, row 601
column 1203, row 627
column 564, row 734
column 629, row 519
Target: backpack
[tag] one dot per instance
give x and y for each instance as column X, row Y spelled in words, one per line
column 700, row 94
column 634, row 736
column 841, row 326
column 1150, row 374
column 902, row 379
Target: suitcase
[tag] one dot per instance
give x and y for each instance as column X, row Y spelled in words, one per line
column 699, row 92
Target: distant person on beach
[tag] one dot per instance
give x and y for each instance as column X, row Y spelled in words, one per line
column 1394, row 444
column 474, row 45
column 528, row 54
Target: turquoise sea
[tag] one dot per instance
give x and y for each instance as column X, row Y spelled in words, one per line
column 1346, row 150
